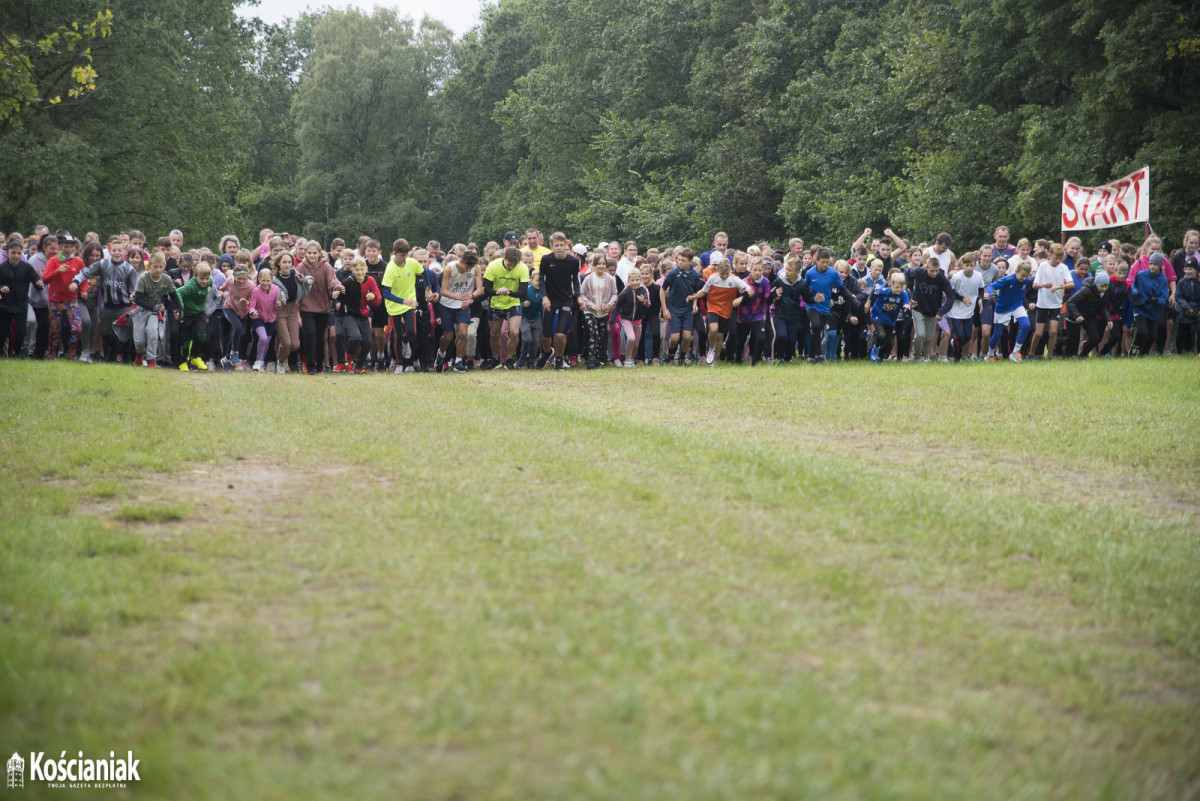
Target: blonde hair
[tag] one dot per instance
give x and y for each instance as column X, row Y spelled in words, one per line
column 203, row 271
column 157, row 258
column 840, row 263
column 357, row 261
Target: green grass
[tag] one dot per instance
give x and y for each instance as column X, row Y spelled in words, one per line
column 916, row 582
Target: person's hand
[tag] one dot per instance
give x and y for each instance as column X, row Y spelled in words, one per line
column 243, row 300
column 819, row 298
column 888, row 232
column 967, row 301
column 178, row 282
column 1079, row 319
column 737, row 302
column 1108, row 326
column 937, row 318
column 412, row 304
column 3, row 290
column 254, row 313
column 278, row 303
column 62, row 267
column 526, row 304
column 176, row 315
column 853, row 320
column 545, row 304
column 74, row 288
column 866, row 232
column 335, row 294
column 308, row 279
column 370, row 297
column 908, row 306
column 666, row 313
column 40, row 285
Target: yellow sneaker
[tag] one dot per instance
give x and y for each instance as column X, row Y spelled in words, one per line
column 198, row 363
column 183, row 366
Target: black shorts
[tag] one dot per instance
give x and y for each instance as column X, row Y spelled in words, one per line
column 379, row 317
column 504, row 314
column 1046, row 315
column 557, row 321
column 722, row 323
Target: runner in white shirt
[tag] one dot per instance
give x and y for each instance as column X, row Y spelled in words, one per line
column 1051, row 279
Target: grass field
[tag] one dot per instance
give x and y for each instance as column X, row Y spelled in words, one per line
column 900, row 582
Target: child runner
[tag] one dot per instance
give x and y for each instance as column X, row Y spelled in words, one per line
column 193, row 326
column 1187, row 296
column 399, row 292
column 1085, row 314
column 265, row 301
column 293, row 287
column 16, row 276
column 885, row 308
column 960, row 309
column 234, row 308
column 531, row 317
column 117, row 282
column 821, row 280
column 597, row 297
column 752, row 315
column 723, row 291
column 153, row 294
column 65, row 323
column 680, row 283
column 1052, row 279
column 632, row 304
column 1149, row 295
column 559, row 271
column 1009, row 294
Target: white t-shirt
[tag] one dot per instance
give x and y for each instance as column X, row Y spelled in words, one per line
column 623, row 268
column 968, row 286
column 943, row 259
column 1058, row 276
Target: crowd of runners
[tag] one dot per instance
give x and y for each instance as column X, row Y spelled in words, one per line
column 288, row 304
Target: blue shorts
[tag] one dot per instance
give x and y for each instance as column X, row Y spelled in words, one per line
column 987, row 312
column 679, row 322
column 450, row 317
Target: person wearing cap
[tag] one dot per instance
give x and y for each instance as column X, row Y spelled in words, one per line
column 1085, row 314
column 1149, row 293
column 65, row 322
column 512, row 239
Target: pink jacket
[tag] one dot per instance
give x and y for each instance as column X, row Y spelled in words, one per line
column 264, row 303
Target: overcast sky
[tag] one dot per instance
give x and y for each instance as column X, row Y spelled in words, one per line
column 458, row 15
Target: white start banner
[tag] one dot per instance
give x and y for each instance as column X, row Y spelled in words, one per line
column 1086, row 208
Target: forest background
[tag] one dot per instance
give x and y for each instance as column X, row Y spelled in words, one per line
column 657, row 120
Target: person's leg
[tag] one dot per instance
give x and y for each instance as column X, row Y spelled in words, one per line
column 1074, row 330
column 918, row 343
column 816, row 342
column 87, row 330
column 139, row 317
column 831, row 342
column 6, row 328
column 514, row 335
column 494, row 331
column 630, row 335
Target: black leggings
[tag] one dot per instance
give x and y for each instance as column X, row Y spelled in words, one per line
column 404, row 329
column 1092, row 328
column 819, row 325
column 1185, row 337
column 756, row 332
column 191, row 328
column 12, row 328
column 1115, row 336
column 1145, row 334
column 885, row 335
column 312, row 337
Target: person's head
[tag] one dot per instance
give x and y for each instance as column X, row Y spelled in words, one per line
column 186, row 261
column 1001, row 265
column 176, row 238
column 116, row 249
column 512, row 256
column 806, row 258
column 230, row 244
column 1022, row 271
column 1057, row 254
column 400, row 251
column 598, row 263
column 358, row 268
column 204, row 275
column 613, row 250
column 876, row 269
column 49, row 246
column 917, row 258
column 683, row 257
column 335, row 249
column 1023, row 248
column 468, row 259
column 631, row 250
column 276, row 246
column 163, row 244
column 287, row 239
column 985, row 257
column 741, row 262
column 897, row 282
column 92, row 253
column 634, row 279
column 371, row 250
column 156, row 265
column 312, row 252
column 1191, row 242
column 1156, row 263
column 1151, row 245
column 558, row 244
column 362, row 242
column 264, row 236
column 942, row 243
column 434, row 247
column 264, row 279
column 283, row 262
column 824, row 258
column 721, row 265
column 137, row 238
column 14, row 246
column 843, row 269
column 885, row 248
column 647, row 273
column 136, row 258
column 721, row 241
column 1189, row 269
column 347, row 258
column 527, row 259
column 967, row 260
column 66, row 247
column 1073, row 247
column 1082, row 267
column 1101, row 280
column 241, row 276
column 932, row 266
column 1001, row 236
column 243, row 259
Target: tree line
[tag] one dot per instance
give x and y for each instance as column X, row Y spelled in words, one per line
column 657, row 120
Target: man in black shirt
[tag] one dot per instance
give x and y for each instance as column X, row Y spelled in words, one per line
column 560, row 281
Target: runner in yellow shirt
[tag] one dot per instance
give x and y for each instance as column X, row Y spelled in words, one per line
column 504, row 283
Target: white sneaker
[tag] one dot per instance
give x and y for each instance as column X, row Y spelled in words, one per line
column 280, row 369
column 258, row 367
column 398, row 370
column 630, row 363
column 86, row 358
column 712, row 354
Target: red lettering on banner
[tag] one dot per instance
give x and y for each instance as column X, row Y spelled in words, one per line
column 1083, row 214
column 1123, row 186
column 1068, row 202
column 1136, row 178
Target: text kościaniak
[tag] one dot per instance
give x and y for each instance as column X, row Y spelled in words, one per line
column 78, row 769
